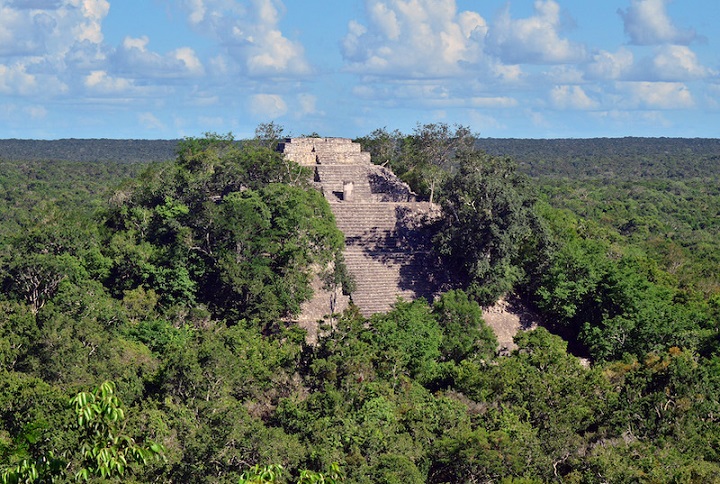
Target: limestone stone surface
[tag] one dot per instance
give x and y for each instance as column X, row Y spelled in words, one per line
column 387, row 240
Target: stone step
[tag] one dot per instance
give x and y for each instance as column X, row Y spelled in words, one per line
column 343, row 158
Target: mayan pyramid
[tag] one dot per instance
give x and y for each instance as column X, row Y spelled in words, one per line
column 387, row 243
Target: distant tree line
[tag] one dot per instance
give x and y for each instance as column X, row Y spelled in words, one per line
column 88, row 150
column 674, row 158
column 612, row 158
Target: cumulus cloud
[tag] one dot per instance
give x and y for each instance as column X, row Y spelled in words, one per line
column 101, row 82
column 533, row 40
column 571, row 97
column 503, row 72
column 565, row 74
column 611, row 65
column 134, row 59
column 93, row 11
column 15, row 80
column 647, row 23
column 42, row 27
column 23, row 33
column 268, row 106
column 251, row 35
column 657, row 95
column 49, row 41
column 677, row 63
column 414, row 39
column 667, row 63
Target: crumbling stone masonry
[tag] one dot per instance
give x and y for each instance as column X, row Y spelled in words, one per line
column 387, row 243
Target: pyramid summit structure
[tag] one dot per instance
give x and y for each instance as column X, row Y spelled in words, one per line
column 387, row 237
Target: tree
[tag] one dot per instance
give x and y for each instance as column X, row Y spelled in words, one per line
column 385, row 148
column 431, row 153
column 408, row 340
column 490, row 236
column 232, row 227
column 424, row 158
column 465, row 333
column 269, row 135
column 274, row 473
column 104, row 449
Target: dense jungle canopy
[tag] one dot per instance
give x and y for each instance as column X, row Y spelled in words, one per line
column 146, row 313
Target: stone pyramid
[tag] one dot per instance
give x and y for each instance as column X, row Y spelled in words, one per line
column 387, row 241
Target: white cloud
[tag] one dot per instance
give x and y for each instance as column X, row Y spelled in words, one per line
column 268, row 106
column 611, row 66
column 571, row 97
column 386, row 21
column 197, row 10
column 187, row 56
column 533, row 40
column 677, row 63
column 251, row 35
column 93, row 11
column 133, row 59
column 37, row 27
column 15, row 80
column 101, row 82
column 657, row 95
column 139, row 43
column 414, row 39
column 51, row 43
column 24, row 32
column 507, row 72
column 271, row 53
column 647, row 23
column 668, row 63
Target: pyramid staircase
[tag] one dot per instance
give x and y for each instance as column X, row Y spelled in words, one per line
column 387, row 242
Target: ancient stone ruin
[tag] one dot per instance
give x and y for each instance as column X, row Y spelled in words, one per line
column 387, row 241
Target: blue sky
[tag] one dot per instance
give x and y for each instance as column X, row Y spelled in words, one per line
column 161, row 69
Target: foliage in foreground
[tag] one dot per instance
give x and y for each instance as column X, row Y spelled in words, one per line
column 102, row 450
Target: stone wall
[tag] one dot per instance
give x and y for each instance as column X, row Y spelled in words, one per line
column 311, row 151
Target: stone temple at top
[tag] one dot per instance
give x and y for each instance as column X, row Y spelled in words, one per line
column 387, row 241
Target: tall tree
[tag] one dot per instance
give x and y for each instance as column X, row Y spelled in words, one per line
column 490, row 235
column 235, row 227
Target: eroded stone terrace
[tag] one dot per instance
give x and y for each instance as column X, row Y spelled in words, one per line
column 387, row 241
